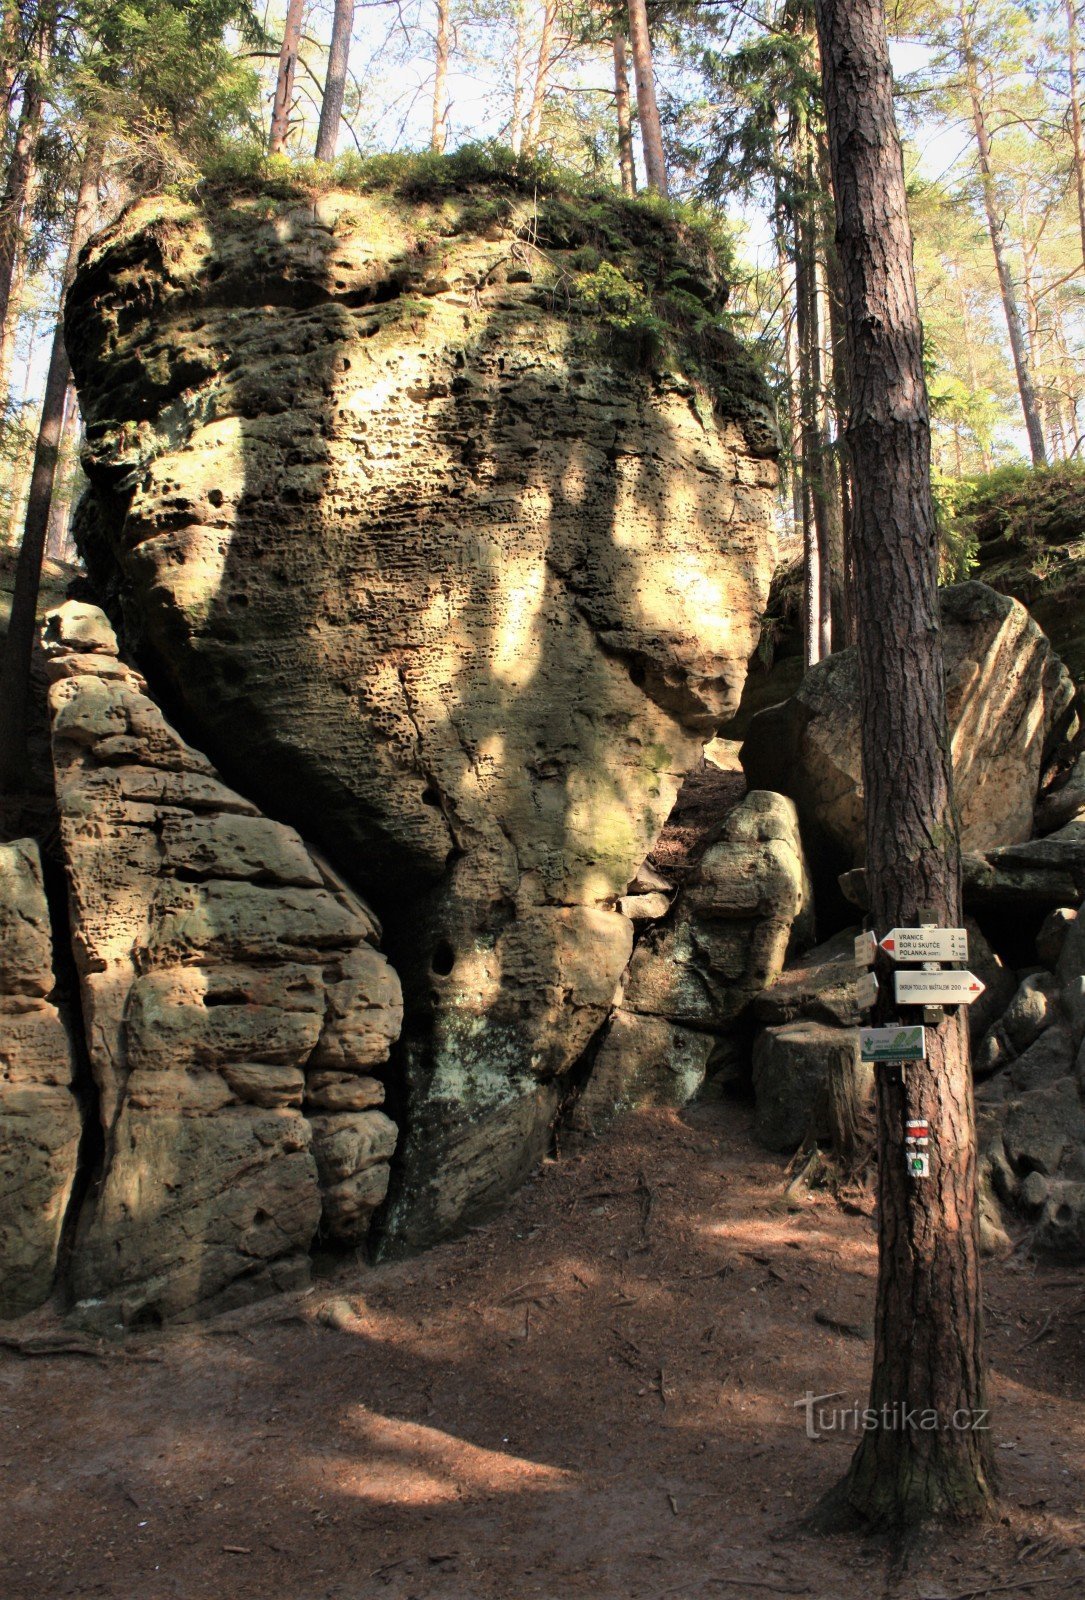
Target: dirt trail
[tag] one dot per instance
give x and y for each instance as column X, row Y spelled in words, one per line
column 592, row 1396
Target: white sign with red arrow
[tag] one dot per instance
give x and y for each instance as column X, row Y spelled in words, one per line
column 937, row 988
column 926, row 944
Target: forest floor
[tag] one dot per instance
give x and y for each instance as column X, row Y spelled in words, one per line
column 593, row 1395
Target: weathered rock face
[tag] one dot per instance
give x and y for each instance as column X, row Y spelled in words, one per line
column 1008, row 698
column 40, row 1123
column 1030, row 1104
column 745, row 903
column 442, row 574
column 237, row 1015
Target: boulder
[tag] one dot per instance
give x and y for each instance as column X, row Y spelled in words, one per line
column 1009, row 701
column 40, row 1123
column 795, row 1066
column 219, row 964
column 643, row 1061
column 447, row 562
column 743, row 904
column 820, row 984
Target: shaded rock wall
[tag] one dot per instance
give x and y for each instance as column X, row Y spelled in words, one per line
column 40, row 1121
column 433, row 563
column 236, row 1013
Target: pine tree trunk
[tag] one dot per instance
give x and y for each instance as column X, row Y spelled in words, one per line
column 10, row 18
column 335, row 84
column 19, row 645
column 542, row 77
column 20, row 176
column 928, row 1349
column 9, row 326
column 816, row 565
column 519, row 67
column 61, row 503
column 996, row 227
column 626, row 162
column 438, row 131
column 651, row 134
column 1076, row 132
column 284, row 84
column 844, row 575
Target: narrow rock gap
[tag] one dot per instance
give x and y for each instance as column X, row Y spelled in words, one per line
column 68, row 998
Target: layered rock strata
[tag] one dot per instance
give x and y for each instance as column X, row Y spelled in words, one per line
column 237, row 1014
column 40, row 1120
column 451, row 546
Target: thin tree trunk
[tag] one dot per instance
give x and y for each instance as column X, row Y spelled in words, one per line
column 335, row 84
column 19, row 645
column 10, row 18
column 21, row 168
column 626, row 162
column 651, row 134
column 284, row 84
column 816, row 569
column 844, row 578
column 438, row 130
column 9, row 326
column 542, row 77
column 60, row 503
column 996, row 227
column 928, row 1343
column 1076, row 132
column 519, row 67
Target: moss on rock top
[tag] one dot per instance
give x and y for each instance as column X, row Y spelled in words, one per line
column 646, row 279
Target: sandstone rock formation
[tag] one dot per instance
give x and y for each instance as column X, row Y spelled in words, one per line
column 1030, row 1103
column 1009, row 700
column 236, row 1013
column 747, row 901
column 744, row 901
column 453, row 559
column 40, row 1122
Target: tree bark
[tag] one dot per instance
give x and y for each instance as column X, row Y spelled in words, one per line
column 626, row 163
column 10, row 19
column 996, row 227
column 21, row 168
column 19, row 645
column 651, row 134
column 9, row 326
column 335, row 84
column 284, row 84
column 519, row 64
column 542, row 77
column 438, row 131
column 60, row 505
column 1076, row 132
column 928, row 1360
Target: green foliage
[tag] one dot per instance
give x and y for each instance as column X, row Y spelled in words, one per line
column 1034, row 515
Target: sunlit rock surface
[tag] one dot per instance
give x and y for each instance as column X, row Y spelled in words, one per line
column 450, row 562
column 236, row 1014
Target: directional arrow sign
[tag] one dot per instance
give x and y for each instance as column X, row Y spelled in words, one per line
column 897, row 1043
column 937, row 988
column 866, row 948
column 866, row 991
column 926, row 944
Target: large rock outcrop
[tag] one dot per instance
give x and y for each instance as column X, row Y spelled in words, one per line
column 1009, row 699
column 236, row 1012
column 40, row 1123
column 448, row 523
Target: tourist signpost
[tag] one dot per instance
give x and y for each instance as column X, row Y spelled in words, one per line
column 928, row 984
